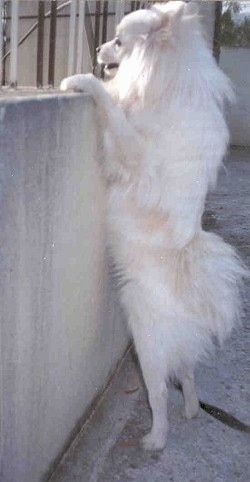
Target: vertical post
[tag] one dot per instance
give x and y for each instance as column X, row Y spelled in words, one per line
column 81, row 27
column 72, row 34
column 14, row 42
column 132, row 8
column 40, row 44
column 4, row 25
column 105, row 21
column 52, row 43
column 217, row 30
column 89, row 32
column 135, row 5
column 104, row 28
column 97, row 29
column 1, row 42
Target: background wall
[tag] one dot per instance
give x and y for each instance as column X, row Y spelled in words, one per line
column 236, row 64
column 60, row 330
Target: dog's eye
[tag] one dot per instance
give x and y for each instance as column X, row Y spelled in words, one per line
column 117, row 42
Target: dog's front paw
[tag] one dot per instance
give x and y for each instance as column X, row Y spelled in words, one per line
column 78, row 83
column 151, row 441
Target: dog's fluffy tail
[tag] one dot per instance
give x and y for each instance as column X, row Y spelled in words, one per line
column 210, row 273
column 193, row 298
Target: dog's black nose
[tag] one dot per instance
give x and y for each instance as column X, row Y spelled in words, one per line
column 98, row 49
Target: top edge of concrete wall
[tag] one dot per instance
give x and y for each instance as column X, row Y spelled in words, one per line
column 27, row 94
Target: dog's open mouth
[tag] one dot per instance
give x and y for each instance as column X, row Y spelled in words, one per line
column 111, row 66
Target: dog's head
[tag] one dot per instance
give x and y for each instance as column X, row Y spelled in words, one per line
column 159, row 25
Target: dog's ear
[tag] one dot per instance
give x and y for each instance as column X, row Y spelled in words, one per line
column 170, row 10
column 166, row 16
column 161, row 22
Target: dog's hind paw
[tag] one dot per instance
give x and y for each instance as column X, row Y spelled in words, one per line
column 190, row 413
column 153, row 442
column 191, row 409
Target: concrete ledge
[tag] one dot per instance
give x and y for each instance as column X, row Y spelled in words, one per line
column 61, row 330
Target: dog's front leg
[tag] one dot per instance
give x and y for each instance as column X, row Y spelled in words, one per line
column 113, row 119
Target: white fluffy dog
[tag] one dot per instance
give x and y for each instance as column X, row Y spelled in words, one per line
column 165, row 137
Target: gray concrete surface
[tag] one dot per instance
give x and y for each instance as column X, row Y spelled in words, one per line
column 60, row 334
column 236, row 64
column 202, row 449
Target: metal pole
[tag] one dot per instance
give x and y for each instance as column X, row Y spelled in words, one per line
column 72, row 35
column 89, row 33
column 14, row 42
column 81, row 27
column 1, row 42
column 132, row 8
column 40, row 44
column 52, row 43
column 105, row 21
column 33, row 28
column 97, row 28
column 217, row 31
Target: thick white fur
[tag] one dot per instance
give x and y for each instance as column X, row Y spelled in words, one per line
column 165, row 137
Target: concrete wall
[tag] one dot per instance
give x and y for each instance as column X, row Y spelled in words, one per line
column 60, row 330
column 207, row 12
column 236, row 64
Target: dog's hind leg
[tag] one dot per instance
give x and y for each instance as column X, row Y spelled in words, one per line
column 186, row 378
column 154, row 374
column 157, row 395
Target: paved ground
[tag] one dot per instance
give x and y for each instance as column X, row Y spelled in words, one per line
column 200, row 450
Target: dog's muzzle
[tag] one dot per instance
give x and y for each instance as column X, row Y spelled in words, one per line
column 109, row 68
